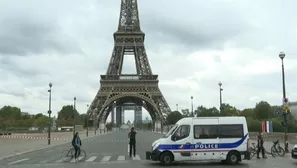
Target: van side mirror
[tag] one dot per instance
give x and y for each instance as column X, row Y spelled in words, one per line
column 173, row 137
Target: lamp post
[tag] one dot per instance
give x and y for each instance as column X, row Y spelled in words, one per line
column 192, row 106
column 221, row 89
column 282, row 56
column 74, row 109
column 49, row 112
column 87, row 121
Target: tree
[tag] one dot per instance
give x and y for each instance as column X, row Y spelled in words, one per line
column 206, row 112
column 228, row 110
column 41, row 122
column 263, row 111
column 248, row 113
column 186, row 112
column 10, row 113
column 38, row 115
column 173, row 117
column 66, row 114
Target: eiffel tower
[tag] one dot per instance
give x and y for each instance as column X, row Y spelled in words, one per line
column 141, row 88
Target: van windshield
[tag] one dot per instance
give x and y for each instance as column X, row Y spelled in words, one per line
column 172, row 130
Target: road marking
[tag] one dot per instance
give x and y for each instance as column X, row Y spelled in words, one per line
column 136, row 157
column 121, row 158
column 105, row 158
column 48, row 151
column 79, row 158
column 18, row 161
column 91, row 159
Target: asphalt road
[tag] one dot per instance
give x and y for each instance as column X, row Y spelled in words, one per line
column 110, row 150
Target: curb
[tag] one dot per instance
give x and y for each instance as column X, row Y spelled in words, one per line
column 42, row 148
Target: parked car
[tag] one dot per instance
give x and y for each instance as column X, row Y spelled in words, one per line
column 294, row 152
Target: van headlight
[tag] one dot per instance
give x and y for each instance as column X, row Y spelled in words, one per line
column 155, row 146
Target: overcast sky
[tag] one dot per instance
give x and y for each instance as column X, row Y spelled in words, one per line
column 191, row 45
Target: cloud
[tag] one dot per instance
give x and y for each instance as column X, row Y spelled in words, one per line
column 191, row 45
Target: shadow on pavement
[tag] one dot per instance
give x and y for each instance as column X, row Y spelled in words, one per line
column 194, row 164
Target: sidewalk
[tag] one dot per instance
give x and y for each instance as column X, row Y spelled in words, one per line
column 11, row 147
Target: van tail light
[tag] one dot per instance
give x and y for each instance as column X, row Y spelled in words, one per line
column 248, row 144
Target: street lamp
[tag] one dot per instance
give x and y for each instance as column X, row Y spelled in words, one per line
column 192, row 106
column 74, row 109
column 221, row 89
column 282, row 56
column 49, row 113
column 87, row 120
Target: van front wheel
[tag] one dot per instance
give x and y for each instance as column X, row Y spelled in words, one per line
column 166, row 159
column 233, row 158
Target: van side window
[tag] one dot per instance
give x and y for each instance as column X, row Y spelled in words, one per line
column 231, row 131
column 205, row 131
column 182, row 132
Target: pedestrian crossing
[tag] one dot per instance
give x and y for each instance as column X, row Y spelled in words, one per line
column 88, row 159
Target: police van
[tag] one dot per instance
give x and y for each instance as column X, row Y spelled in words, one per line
column 203, row 139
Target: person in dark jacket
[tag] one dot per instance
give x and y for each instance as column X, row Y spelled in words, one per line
column 261, row 146
column 76, row 143
column 132, row 142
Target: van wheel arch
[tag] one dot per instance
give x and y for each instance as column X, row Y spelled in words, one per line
column 233, row 157
column 166, row 153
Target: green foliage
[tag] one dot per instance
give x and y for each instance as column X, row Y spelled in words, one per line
column 263, row 111
column 12, row 119
column 254, row 116
column 206, row 112
column 9, row 113
column 173, row 117
column 67, row 116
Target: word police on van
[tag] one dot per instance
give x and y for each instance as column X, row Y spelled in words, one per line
column 203, row 139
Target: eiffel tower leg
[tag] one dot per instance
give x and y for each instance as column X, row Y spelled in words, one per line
column 158, row 125
column 101, row 126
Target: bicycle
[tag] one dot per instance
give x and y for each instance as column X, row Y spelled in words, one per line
column 253, row 151
column 67, row 155
column 277, row 149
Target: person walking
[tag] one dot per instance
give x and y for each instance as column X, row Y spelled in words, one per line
column 76, row 143
column 261, row 146
column 132, row 142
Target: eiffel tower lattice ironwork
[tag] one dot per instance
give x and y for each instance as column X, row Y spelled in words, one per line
column 117, row 88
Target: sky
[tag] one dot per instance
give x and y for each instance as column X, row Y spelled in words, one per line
column 191, row 45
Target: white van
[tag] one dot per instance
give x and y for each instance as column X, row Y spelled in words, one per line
column 203, row 139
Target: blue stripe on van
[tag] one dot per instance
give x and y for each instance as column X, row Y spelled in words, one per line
column 202, row 146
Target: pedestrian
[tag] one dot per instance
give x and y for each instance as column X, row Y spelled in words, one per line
column 76, row 143
column 132, row 141
column 261, row 146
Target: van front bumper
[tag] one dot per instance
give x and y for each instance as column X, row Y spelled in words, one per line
column 294, row 153
column 153, row 155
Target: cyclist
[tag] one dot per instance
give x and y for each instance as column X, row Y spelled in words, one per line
column 132, row 141
column 76, row 143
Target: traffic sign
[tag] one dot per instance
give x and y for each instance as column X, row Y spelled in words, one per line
column 285, row 101
column 286, row 108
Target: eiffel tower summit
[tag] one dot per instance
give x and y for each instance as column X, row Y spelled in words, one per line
column 117, row 89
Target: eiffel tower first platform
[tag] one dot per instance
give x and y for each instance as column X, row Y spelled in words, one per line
column 141, row 88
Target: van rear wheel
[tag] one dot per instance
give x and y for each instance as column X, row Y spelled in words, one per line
column 233, row 158
column 166, row 159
